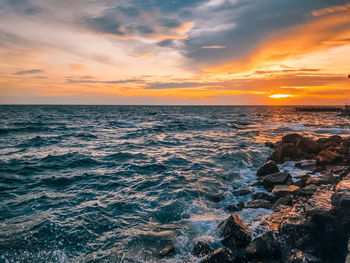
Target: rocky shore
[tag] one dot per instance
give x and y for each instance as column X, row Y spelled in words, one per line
column 310, row 221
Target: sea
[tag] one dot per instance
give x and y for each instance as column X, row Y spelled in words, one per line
column 120, row 183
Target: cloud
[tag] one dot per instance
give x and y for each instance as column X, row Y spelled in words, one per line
column 88, row 81
column 29, row 72
column 214, row 47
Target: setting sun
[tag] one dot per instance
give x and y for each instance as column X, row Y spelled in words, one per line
column 280, row 96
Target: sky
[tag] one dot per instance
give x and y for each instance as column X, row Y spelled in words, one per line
column 160, row 52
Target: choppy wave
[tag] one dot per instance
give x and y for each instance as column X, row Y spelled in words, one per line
column 118, row 183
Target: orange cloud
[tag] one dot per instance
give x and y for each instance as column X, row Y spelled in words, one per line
column 322, row 33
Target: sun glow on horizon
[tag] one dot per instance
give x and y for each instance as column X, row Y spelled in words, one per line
column 280, row 96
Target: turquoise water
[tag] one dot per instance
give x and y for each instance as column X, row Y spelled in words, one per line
column 118, row 183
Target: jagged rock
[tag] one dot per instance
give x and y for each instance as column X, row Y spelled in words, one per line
column 332, row 141
column 241, row 192
column 285, row 200
column 298, row 256
column 259, row 203
column 234, row 232
column 341, row 202
column 300, row 182
column 262, row 195
column 221, row 255
column 328, row 157
column 217, row 197
column 268, row 168
column 306, row 191
column 201, row 249
column 283, row 190
column 323, row 179
column 275, row 179
column 306, row 164
column 293, row 138
column 235, row 207
column 264, row 247
column 167, row 252
column 270, row 145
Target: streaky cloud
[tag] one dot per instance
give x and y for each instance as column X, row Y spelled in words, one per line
column 28, row 72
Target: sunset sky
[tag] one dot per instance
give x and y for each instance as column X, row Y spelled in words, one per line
column 175, row 52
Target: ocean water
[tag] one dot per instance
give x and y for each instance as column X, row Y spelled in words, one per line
column 119, row 183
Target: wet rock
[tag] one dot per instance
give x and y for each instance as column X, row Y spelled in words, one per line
column 201, row 249
column 264, row 247
column 306, row 164
column 306, row 191
column 285, row 200
column 300, row 182
column 298, row 256
column 347, row 260
column 234, row 232
column 217, row 197
column 293, row 138
column 167, row 252
column 271, row 145
column 235, row 207
column 341, row 202
column 283, row 190
column 268, row 168
column 323, row 179
column 241, row 192
column 328, row 157
column 332, row 141
column 276, row 179
column 221, row 255
column 262, row 195
column 259, row 203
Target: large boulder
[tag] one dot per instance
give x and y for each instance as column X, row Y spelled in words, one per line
column 268, row 168
column 283, row 190
column 221, row 255
column 234, row 232
column 264, row 247
column 201, row 249
column 259, row 203
column 275, row 179
column 167, row 252
column 328, row 157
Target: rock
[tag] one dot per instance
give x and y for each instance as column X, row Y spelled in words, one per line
column 234, row 232
column 285, row 200
column 241, row 192
column 306, row 191
column 217, row 197
column 283, row 190
column 323, row 179
column 328, row 157
column 167, row 252
column 306, row 164
column 259, row 203
column 332, row 141
column 268, row 168
column 235, row 207
column 221, row 255
column 293, row 138
column 264, row 247
column 275, row 179
column 347, row 260
column 298, row 256
column 300, row 182
column 341, row 202
column 271, row 145
column 262, row 195
column 201, row 249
